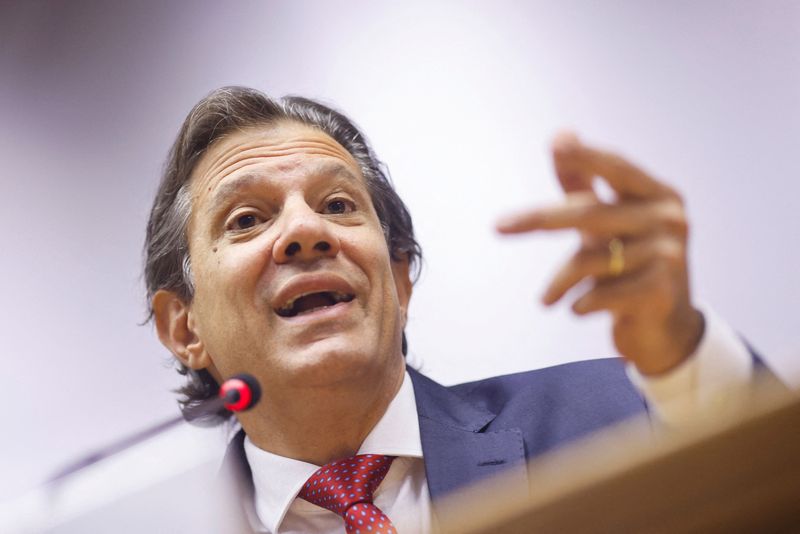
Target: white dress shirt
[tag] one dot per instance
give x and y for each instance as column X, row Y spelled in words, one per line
column 700, row 384
column 710, row 382
column 403, row 495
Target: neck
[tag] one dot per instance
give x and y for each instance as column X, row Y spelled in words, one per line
column 322, row 424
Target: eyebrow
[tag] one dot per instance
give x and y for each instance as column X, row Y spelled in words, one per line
column 232, row 187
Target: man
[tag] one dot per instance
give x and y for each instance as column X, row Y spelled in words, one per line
column 277, row 247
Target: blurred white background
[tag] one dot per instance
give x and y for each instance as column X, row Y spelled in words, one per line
column 460, row 100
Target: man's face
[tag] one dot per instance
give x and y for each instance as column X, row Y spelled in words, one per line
column 293, row 278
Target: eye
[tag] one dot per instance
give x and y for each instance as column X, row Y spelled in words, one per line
column 338, row 206
column 244, row 221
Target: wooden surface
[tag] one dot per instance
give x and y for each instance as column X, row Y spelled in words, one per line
column 733, row 474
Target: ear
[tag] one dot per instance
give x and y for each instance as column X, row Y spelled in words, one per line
column 176, row 330
column 403, row 285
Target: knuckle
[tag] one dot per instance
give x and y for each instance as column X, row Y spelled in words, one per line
column 617, row 163
column 582, row 203
column 671, row 194
column 676, row 196
column 672, row 216
column 670, row 251
column 615, row 159
column 583, row 210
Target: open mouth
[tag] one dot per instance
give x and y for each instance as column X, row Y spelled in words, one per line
column 311, row 302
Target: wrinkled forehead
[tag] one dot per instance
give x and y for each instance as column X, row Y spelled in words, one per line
column 283, row 146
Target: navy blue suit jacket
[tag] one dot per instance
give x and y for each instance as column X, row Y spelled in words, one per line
column 474, row 430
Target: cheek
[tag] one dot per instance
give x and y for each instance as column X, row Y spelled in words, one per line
column 229, row 274
column 383, row 283
column 370, row 253
column 227, row 305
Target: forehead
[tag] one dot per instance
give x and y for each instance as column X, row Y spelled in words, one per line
column 282, row 148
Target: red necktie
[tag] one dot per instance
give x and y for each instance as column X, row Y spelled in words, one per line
column 345, row 487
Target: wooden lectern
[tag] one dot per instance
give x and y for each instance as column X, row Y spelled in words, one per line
column 733, row 474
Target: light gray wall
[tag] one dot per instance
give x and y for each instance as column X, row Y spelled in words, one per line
column 460, row 100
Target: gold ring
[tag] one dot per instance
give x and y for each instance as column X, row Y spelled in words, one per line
column 616, row 259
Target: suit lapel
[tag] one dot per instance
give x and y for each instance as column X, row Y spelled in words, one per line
column 457, row 448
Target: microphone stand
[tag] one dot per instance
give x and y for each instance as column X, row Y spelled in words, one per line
column 238, row 393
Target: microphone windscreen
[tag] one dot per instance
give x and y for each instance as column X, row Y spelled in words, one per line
column 240, row 392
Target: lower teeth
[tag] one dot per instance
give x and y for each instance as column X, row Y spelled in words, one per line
column 312, row 310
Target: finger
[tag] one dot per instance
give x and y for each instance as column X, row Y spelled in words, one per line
column 625, row 178
column 649, row 290
column 532, row 219
column 602, row 220
column 596, row 263
column 572, row 176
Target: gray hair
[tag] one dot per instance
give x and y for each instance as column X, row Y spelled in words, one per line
column 166, row 250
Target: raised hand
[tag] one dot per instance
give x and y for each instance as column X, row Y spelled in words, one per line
column 633, row 249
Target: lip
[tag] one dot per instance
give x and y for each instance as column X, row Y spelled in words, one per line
column 312, row 283
column 329, row 313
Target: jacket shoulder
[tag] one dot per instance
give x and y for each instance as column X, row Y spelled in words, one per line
column 557, row 404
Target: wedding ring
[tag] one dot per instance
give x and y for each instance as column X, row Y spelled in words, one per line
column 616, row 259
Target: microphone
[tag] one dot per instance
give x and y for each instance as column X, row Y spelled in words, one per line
column 240, row 392
column 237, row 394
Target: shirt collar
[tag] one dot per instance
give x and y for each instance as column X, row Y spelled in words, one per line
column 277, row 480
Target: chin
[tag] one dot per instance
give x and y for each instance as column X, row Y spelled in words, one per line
column 334, row 361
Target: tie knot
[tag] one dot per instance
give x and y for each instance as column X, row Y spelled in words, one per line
column 342, row 484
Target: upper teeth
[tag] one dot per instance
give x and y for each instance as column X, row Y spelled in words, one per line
column 337, row 297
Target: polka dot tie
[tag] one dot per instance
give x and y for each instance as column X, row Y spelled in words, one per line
column 345, row 487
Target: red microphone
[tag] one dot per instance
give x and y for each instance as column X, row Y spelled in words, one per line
column 237, row 394
column 240, row 392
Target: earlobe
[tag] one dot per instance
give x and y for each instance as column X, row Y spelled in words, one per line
column 403, row 285
column 177, row 331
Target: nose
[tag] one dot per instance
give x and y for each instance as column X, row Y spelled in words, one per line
column 305, row 236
